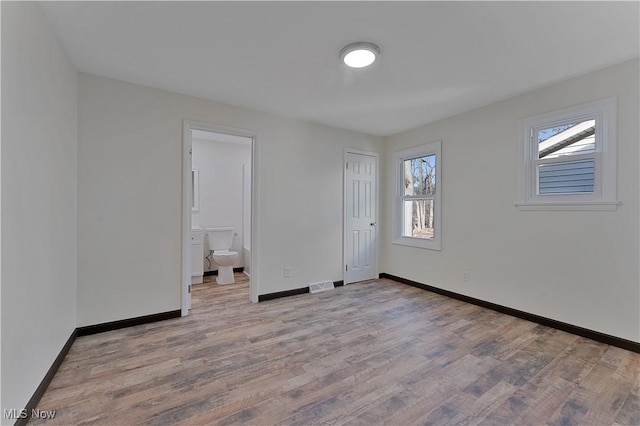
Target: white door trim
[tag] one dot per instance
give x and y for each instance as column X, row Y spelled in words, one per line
column 187, row 126
column 344, row 208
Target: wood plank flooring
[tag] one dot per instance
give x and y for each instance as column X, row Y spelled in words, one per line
column 370, row 353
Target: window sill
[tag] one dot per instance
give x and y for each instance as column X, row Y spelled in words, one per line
column 569, row 206
column 417, row 243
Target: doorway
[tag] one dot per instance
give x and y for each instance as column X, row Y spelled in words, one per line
column 360, row 216
column 201, row 197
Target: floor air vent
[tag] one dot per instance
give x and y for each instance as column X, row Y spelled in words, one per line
column 321, row 286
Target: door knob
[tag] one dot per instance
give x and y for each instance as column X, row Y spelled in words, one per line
column 372, row 224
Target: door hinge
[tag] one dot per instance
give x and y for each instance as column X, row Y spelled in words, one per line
column 347, row 165
column 189, row 289
column 346, row 267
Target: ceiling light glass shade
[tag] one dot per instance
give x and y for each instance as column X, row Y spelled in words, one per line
column 360, row 54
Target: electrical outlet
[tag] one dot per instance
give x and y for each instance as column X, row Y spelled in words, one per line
column 466, row 276
column 287, row 271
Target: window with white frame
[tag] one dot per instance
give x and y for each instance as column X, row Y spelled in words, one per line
column 568, row 159
column 417, row 211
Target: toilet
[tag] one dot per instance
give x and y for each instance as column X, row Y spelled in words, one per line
column 220, row 240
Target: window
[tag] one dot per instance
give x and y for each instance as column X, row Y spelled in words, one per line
column 568, row 159
column 417, row 209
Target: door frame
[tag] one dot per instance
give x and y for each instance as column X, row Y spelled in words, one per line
column 187, row 126
column 344, row 208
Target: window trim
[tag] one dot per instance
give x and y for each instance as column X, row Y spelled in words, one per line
column 604, row 196
column 435, row 243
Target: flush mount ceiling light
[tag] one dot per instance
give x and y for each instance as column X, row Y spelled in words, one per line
column 359, row 54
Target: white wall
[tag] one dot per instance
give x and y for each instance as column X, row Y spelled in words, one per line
column 129, row 198
column 39, row 183
column 576, row 267
column 220, row 167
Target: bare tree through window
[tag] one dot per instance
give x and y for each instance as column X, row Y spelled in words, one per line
column 419, row 192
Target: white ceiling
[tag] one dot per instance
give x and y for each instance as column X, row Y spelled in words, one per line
column 438, row 58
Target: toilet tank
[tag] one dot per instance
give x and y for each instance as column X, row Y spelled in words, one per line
column 220, row 238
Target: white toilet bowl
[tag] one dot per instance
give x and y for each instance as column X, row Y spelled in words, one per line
column 225, row 260
column 220, row 240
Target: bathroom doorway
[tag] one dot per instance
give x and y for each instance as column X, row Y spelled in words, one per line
column 218, row 192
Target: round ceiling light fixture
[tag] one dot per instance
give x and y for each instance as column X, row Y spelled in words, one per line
column 359, row 54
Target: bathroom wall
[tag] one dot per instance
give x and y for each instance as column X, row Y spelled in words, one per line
column 39, row 200
column 221, row 190
column 246, row 214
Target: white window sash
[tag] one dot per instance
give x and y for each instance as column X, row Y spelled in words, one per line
column 603, row 196
column 433, row 148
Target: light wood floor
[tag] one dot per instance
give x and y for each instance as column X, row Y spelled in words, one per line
column 370, row 353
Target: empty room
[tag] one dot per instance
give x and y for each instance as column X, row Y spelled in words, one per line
column 380, row 213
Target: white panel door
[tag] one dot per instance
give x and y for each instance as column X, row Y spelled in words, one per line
column 360, row 217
